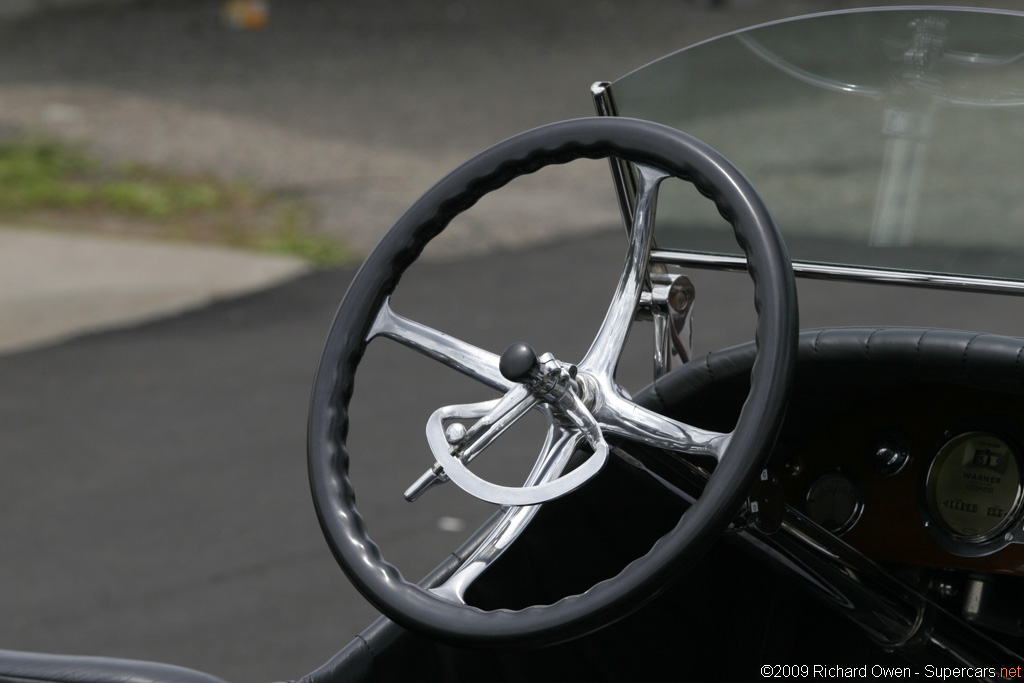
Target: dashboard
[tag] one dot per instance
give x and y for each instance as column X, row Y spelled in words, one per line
column 905, row 443
column 930, row 475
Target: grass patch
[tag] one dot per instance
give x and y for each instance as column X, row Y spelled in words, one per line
column 52, row 184
column 291, row 238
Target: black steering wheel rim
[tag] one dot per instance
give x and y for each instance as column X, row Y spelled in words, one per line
column 775, row 302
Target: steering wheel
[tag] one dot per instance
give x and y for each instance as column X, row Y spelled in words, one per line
column 582, row 402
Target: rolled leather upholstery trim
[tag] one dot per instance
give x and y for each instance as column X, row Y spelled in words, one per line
column 969, row 359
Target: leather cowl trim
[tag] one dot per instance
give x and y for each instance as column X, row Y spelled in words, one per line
column 969, row 359
column 30, row 666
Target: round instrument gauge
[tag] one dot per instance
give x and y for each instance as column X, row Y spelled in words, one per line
column 835, row 502
column 973, row 487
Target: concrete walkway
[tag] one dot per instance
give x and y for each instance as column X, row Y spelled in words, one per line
column 57, row 285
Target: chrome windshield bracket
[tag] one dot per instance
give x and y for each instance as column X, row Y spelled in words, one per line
column 669, row 305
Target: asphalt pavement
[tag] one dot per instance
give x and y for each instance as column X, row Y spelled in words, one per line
column 154, row 501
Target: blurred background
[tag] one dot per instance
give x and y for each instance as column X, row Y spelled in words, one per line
column 325, row 103
column 153, row 496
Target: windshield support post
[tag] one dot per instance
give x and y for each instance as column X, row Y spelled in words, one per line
column 623, row 173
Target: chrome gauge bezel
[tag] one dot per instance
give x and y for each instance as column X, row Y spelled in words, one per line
column 855, row 489
column 1002, row 534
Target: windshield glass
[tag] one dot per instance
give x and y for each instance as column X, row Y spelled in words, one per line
column 884, row 139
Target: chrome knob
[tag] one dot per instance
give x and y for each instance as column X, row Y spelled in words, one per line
column 889, row 453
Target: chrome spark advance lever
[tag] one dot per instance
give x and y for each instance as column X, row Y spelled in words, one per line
column 543, row 382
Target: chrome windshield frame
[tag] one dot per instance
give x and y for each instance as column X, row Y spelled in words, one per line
column 623, row 176
column 828, row 271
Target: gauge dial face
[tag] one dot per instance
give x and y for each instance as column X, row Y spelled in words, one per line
column 835, row 502
column 974, row 486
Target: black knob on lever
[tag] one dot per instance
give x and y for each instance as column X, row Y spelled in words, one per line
column 519, row 363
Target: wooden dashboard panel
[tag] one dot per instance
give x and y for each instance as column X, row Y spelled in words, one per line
column 891, row 528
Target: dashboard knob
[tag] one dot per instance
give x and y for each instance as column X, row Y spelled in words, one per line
column 890, row 453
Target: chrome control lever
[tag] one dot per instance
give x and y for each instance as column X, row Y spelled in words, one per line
column 540, row 381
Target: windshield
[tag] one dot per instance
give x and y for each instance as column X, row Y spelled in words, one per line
column 881, row 139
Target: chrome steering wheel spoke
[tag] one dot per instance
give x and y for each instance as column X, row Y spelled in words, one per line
column 624, row 418
column 603, row 357
column 559, row 446
column 615, row 412
column 533, row 383
column 470, row 360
